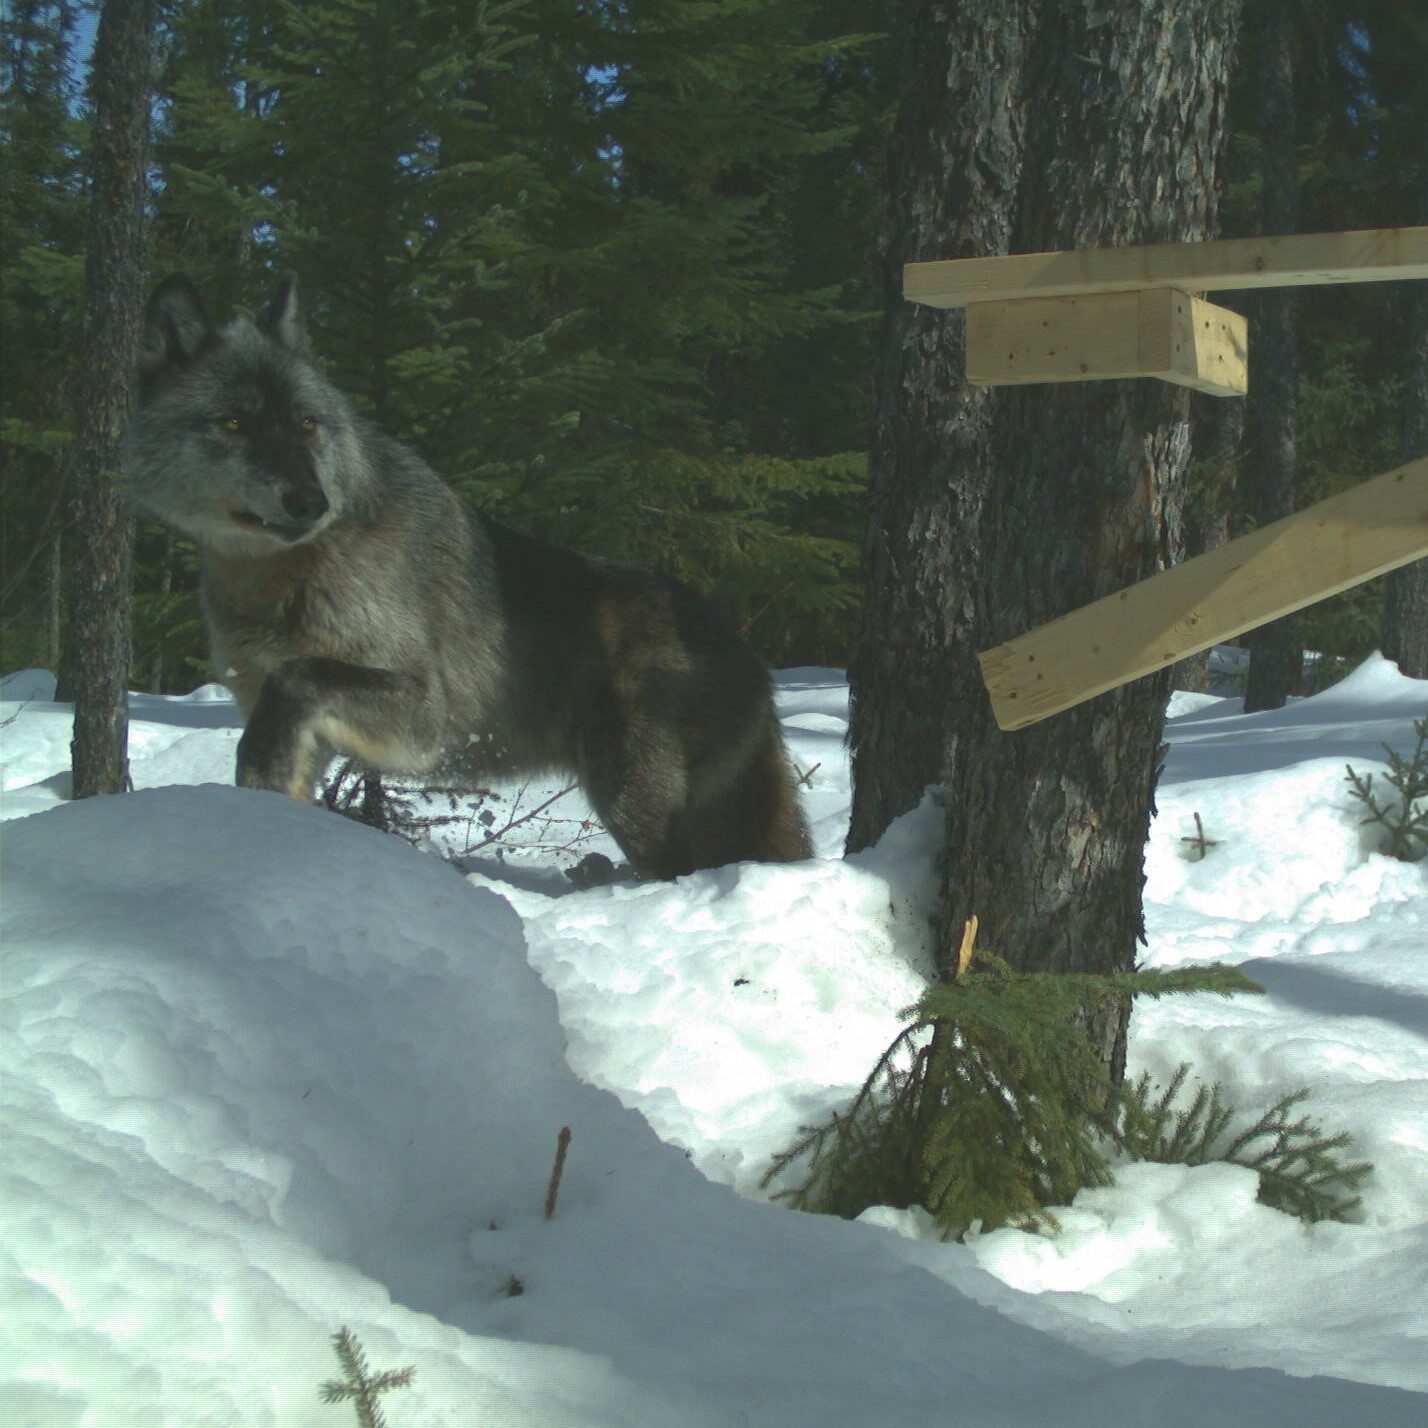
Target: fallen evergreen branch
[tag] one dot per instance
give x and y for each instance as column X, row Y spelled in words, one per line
column 1301, row 1170
column 1405, row 822
column 360, row 1388
column 990, row 1106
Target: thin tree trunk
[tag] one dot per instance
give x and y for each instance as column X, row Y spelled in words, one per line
column 55, row 581
column 99, row 633
column 1275, row 655
column 166, row 585
column 1218, row 435
column 995, row 512
column 1405, row 604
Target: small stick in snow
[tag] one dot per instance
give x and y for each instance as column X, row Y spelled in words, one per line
column 1201, row 843
column 562, row 1144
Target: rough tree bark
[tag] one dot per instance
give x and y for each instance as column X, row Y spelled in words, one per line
column 954, row 166
column 1051, row 126
column 1275, row 655
column 101, row 532
column 1405, row 604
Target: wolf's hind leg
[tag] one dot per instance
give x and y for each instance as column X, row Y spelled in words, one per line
column 636, row 780
column 309, row 709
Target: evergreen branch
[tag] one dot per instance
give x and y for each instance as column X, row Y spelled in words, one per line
column 1405, row 822
column 359, row 1387
column 993, row 1104
column 1300, row 1169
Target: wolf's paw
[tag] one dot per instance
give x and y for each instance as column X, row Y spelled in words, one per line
column 594, row 870
column 268, row 765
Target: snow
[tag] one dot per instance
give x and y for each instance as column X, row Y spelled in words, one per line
column 268, row 1072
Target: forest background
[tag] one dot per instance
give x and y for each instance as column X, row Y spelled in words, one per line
column 616, row 270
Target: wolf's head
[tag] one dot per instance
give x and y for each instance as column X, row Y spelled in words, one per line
column 238, row 439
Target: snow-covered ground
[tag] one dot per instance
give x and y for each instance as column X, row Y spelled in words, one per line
column 268, row 1073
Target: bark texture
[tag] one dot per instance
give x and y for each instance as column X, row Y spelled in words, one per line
column 995, row 511
column 955, row 167
column 101, row 533
column 1275, row 655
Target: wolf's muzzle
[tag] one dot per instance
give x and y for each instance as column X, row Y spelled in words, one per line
column 305, row 503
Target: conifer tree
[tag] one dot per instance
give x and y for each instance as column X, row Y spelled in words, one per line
column 42, row 218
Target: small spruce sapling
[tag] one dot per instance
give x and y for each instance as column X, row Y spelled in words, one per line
column 991, row 1105
column 1405, row 822
column 360, row 1388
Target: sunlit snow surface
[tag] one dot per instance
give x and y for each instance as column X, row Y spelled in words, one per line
column 267, row 1072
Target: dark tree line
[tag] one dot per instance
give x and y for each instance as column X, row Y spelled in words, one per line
column 614, row 270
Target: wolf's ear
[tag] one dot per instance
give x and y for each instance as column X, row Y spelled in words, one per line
column 282, row 319
column 175, row 326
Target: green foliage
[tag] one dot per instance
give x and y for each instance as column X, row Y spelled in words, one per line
column 1300, row 1169
column 1404, row 822
column 992, row 1105
column 612, row 273
column 360, row 1388
column 43, row 211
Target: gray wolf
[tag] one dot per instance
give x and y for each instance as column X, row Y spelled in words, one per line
column 358, row 608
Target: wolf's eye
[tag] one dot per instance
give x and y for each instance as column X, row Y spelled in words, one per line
column 309, row 425
column 231, row 424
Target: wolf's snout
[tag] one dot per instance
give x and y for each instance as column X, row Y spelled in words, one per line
column 305, row 503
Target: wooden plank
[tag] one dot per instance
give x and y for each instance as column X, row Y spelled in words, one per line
column 1160, row 332
column 1280, row 568
column 1293, row 260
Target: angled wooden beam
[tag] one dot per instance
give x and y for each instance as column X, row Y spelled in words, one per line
column 1338, row 543
column 1158, row 332
column 1295, row 260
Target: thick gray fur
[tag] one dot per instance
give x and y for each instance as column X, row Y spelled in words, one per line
column 357, row 607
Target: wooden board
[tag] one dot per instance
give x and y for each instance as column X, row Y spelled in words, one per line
column 1280, row 568
column 1159, row 332
column 1295, row 260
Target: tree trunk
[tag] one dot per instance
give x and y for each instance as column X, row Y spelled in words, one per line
column 102, row 542
column 1275, row 655
column 166, row 586
column 1070, row 127
column 1405, row 605
column 53, row 603
column 954, row 168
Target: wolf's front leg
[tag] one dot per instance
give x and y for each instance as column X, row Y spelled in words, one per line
column 310, row 708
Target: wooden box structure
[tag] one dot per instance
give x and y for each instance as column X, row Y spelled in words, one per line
column 1135, row 312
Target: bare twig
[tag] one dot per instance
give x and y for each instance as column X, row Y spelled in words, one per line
column 562, row 1144
column 1199, row 841
column 496, row 834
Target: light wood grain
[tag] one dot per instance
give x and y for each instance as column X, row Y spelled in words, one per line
column 1338, row 543
column 1294, row 260
column 1160, row 332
